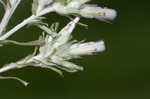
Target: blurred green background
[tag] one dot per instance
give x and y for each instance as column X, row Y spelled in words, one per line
column 122, row 71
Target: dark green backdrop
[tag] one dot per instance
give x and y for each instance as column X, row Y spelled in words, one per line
column 122, row 71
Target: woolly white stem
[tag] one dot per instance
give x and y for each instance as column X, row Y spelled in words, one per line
column 8, row 67
column 8, row 14
column 25, row 22
column 16, row 28
column 5, row 20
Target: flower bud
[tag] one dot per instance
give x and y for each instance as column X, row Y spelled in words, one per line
column 65, row 33
column 98, row 13
column 63, row 36
column 87, row 48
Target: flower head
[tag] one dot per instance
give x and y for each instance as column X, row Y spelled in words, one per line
column 85, row 10
column 87, row 48
column 71, row 7
column 98, row 13
column 58, row 50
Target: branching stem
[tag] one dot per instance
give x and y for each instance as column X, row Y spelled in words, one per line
column 25, row 22
column 16, row 28
column 8, row 14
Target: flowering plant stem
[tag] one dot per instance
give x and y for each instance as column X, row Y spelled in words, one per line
column 12, row 66
column 29, row 20
column 16, row 28
column 9, row 10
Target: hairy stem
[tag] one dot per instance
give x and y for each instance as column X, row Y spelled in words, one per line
column 25, row 22
column 8, row 67
column 8, row 14
column 30, row 43
column 16, row 28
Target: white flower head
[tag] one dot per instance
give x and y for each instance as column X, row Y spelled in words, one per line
column 85, row 10
column 72, row 6
column 59, row 50
column 87, row 48
column 98, row 13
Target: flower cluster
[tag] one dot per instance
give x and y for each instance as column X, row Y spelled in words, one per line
column 78, row 7
column 59, row 49
column 55, row 50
